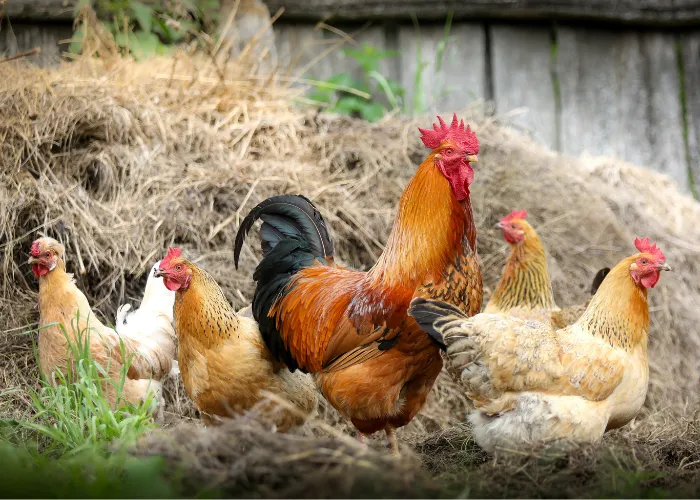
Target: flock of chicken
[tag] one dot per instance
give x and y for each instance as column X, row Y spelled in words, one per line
column 371, row 341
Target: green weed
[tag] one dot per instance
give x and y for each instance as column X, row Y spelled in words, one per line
column 71, row 413
column 144, row 29
column 372, row 83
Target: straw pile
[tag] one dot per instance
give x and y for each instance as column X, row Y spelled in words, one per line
column 119, row 160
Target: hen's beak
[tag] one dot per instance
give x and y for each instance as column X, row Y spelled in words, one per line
column 157, row 273
column 499, row 225
column 472, row 159
column 32, row 260
column 664, row 267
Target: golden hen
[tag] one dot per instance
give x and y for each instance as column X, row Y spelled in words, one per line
column 63, row 307
column 224, row 363
column 525, row 288
column 530, row 383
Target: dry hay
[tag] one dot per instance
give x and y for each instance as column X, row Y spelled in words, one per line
column 120, row 160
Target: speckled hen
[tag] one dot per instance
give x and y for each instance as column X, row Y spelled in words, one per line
column 224, row 363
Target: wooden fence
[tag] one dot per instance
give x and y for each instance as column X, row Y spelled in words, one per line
column 629, row 89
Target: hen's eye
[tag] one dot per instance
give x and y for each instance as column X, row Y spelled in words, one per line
column 178, row 268
column 47, row 254
column 513, row 226
column 449, row 151
column 644, row 261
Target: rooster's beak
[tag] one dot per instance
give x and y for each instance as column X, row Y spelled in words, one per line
column 472, row 159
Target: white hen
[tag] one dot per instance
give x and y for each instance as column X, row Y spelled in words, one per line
column 152, row 322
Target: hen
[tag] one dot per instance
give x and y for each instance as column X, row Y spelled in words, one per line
column 372, row 362
column 530, row 383
column 525, row 289
column 62, row 304
column 224, row 363
column 152, row 322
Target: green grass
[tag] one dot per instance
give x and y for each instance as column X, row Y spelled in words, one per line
column 91, row 473
column 71, row 412
column 75, row 441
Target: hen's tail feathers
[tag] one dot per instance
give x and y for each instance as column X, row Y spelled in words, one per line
column 285, row 217
column 435, row 318
column 598, row 279
column 121, row 316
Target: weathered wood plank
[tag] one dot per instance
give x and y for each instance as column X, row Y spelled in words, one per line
column 450, row 84
column 649, row 12
column 40, row 10
column 593, row 68
column 522, row 77
column 690, row 50
column 665, row 107
column 614, row 104
column 340, row 62
column 22, row 37
column 299, row 48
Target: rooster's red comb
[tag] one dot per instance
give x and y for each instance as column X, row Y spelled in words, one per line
column 515, row 214
column 173, row 253
column 644, row 245
column 36, row 250
column 465, row 138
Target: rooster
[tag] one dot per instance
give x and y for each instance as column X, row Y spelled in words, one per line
column 525, row 289
column 372, row 362
column 224, row 363
column 530, row 383
column 61, row 303
column 152, row 322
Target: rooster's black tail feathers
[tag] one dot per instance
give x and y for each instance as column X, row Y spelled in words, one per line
column 287, row 217
column 293, row 236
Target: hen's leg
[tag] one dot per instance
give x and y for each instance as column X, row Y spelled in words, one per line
column 360, row 437
column 393, row 442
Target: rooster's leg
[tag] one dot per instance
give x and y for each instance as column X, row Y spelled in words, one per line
column 393, row 442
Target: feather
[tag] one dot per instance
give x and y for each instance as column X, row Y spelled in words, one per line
column 273, row 275
column 428, row 314
column 292, row 216
column 598, row 279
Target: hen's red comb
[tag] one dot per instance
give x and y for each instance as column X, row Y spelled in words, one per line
column 173, row 253
column 644, row 245
column 465, row 138
column 515, row 214
column 35, row 251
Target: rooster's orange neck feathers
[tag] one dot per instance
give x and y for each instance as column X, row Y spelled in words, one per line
column 619, row 311
column 428, row 233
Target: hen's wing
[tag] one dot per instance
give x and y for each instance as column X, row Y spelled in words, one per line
column 152, row 344
column 495, row 354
